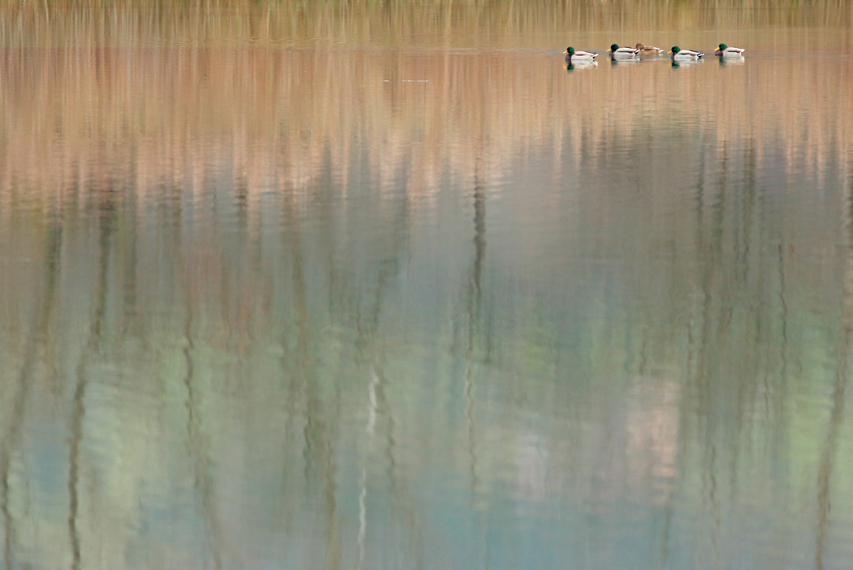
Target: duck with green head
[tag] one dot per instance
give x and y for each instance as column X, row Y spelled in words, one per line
column 617, row 52
column 679, row 54
column 572, row 55
column 725, row 51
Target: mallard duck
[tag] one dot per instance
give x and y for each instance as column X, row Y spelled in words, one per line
column 622, row 52
column 648, row 50
column 726, row 51
column 679, row 54
column 572, row 55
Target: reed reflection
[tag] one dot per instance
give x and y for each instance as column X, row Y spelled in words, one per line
column 286, row 307
column 177, row 107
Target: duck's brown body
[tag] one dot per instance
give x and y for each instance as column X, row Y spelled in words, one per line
column 649, row 50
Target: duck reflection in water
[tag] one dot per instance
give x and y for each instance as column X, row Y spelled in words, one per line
column 580, row 65
column 731, row 61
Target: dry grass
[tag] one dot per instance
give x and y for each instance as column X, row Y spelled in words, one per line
column 39, row 22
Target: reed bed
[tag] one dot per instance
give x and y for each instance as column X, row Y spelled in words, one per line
column 358, row 21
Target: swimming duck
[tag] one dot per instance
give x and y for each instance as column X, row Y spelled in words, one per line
column 572, row 55
column 679, row 54
column 648, row 50
column 726, row 51
column 622, row 52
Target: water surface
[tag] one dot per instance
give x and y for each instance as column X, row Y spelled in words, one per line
column 425, row 303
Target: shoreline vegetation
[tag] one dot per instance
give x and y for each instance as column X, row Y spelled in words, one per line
column 356, row 21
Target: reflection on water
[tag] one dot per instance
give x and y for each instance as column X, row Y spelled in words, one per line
column 428, row 308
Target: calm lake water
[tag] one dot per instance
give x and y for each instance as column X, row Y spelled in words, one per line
column 390, row 301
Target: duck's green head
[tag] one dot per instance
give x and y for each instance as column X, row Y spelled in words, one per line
column 723, row 47
column 675, row 49
column 570, row 50
column 613, row 47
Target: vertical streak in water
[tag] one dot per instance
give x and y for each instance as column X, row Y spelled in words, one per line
column 382, row 407
column 378, row 400
column 716, row 263
column 746, row 387
column 198, row 455
column 362, row 499
column 784, row 317
column 202, row 479
column 836, row 416
column 130, row 284
column 318, row 451
column 691, row 367
column 696, row 348
column 679, row 462
column 704, row 406
column 362, row 519
column 709, row 253
column 37, row 337
column 725, row 294
column 378, row 405
column 303, row 337
column 78, row 412
column 107, row 218
column 831, row 443
column 475, row 296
